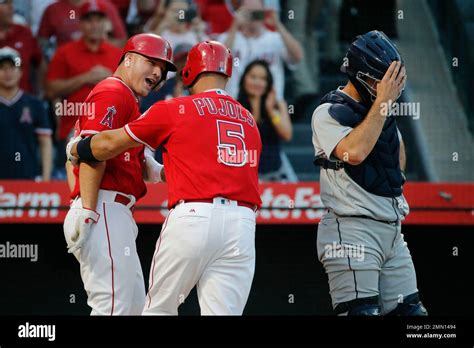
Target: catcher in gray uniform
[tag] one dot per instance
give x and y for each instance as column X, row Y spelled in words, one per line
column 360, row 150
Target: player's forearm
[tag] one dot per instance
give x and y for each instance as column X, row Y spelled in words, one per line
column 90, row 177
column 61, row 88
column 70, row 175
column 362, row 139
column 107, row 144
column 46, row 151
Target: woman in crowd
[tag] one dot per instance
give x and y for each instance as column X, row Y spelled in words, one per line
column 256, row 93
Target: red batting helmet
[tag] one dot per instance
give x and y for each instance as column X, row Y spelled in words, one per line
column 207, row 56
column 150, row 46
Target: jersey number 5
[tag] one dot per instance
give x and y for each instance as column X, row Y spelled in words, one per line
column 231, row 149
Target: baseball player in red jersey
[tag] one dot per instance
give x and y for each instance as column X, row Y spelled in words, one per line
column 99, row 228
column 211, row 149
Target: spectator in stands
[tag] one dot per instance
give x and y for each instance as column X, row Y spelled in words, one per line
column 61, row 20
column 23, row 125
column 218, row 14
column 32, row 11
column 180, row 23
column 77, row 67
column 257, row 94
column 305, row 81
column 249, row 40
column 139, row 13
column 21, row 39
column 122, row 6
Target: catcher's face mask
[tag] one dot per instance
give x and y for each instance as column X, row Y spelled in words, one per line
column 370, row 83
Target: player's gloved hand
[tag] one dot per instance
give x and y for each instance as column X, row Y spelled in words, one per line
column 84, row 219
column 152, row 167
column 74, row 160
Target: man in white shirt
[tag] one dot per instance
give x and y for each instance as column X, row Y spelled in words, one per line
column 249, row 39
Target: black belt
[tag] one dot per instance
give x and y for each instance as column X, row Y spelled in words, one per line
column 211, row 200
column 328, row 164
column 367, row 217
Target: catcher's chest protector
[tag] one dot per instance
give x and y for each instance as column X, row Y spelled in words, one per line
column 380, row 172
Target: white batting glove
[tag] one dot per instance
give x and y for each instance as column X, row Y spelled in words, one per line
column 84, row 219
column 153, row 168
column 74, row 160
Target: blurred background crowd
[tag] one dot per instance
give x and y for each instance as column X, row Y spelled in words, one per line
column 287, row 55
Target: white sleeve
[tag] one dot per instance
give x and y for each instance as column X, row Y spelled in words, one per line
column 281, row 48
column 327, row 132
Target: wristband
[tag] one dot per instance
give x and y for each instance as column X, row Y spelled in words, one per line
column 84, row 150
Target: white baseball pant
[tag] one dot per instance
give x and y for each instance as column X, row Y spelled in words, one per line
column 211, row 245
column 109, row 263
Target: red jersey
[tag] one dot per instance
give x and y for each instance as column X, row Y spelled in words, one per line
column 62, row 20
column 111, row 105
column 211, row 146
column 73, row 59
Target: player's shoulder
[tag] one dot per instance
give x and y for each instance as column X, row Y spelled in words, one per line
column 321, row 112
column 327, row 111
column 116, row 87
column 176, row 102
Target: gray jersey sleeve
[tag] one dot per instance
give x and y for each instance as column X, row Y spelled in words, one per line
column 327, row 132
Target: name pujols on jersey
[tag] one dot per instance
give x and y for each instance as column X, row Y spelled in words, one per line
column 230, row 109
column 227, row 108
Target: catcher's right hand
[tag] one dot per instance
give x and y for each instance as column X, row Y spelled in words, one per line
column 84, row 218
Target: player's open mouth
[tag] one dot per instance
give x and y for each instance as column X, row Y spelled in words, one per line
column 150, row 82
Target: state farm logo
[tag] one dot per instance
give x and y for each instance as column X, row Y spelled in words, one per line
column 304, row 204
column 17, row 202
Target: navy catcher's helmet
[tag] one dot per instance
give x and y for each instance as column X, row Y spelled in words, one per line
column 369, row 57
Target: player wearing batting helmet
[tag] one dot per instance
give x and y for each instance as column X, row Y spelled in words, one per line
column 358, row 147
column 99, row 228
column 208, row 237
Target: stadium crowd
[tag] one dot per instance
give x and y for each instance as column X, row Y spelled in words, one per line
column 52, row 54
